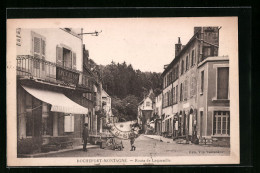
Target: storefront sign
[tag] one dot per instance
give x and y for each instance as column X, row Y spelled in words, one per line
column 67, row 76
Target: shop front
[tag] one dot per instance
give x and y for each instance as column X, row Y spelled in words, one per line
column 46, row 116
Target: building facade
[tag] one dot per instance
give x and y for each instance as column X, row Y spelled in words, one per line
column 183, row 102
column 51, row 86
column 145, row 112
column 158, row 114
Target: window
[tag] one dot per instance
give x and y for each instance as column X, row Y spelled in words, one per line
column 181, row 92
column 185, row 89
column 29, row 115
column 38, row 49
column 182, row 66
column 168, row 98
column 177, row 72
column 176, row 93
column 47, row 126
column 170, row 77
column 207, row 51
column 222, row 83
column 187, row 62
column 221, row 124
column 173, row 96
column 202, row 82
column 192, row 58
column 65, row 57
column 173, row 75
column 148, row 104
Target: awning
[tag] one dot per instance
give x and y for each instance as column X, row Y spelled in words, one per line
column 59, row 102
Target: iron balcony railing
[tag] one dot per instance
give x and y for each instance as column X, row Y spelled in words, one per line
column 48, row 71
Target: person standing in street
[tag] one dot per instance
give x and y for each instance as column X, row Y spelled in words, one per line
column 85, row 136
column 132, row 140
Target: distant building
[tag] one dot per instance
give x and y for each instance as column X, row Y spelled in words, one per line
column 145, row 111
column 158, row 114
column 107, row 111
column 195, row 102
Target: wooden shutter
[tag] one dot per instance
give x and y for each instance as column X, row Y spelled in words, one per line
column 36, row 51
column 222, row 83
column 74, row 61
column 37, row 47
column 43, row 49
column 69, row 123
column 191, row 86
column 186, row 89
column 59, row 56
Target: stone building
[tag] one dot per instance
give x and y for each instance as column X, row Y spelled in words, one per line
column 186, row 111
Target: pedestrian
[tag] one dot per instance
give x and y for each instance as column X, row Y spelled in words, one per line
column 132, row 140
column 85, row 136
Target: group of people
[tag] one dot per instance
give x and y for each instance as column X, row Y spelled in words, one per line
column 133, row 134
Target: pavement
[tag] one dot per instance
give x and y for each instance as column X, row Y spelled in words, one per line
column 74, row 148
column 160, row 138
column 146, row 146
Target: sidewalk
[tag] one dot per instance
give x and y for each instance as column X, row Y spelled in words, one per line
column 55, row 152
column 160, row 138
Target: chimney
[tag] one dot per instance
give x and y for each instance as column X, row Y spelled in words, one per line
column 178, row 47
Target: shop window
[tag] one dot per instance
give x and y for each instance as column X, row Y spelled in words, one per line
column 69, row 123
column 29, row 116
column 222, row 83
column 221, row 124
column 47, row 120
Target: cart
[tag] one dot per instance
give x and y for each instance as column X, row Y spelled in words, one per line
column 112, row 144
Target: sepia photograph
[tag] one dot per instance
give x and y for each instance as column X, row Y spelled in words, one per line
column 122, row 91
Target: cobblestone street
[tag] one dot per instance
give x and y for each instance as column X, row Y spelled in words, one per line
column 146, row 146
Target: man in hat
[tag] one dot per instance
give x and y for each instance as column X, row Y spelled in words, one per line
column 85, row 136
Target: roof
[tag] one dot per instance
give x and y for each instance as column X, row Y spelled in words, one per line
column 193, row 38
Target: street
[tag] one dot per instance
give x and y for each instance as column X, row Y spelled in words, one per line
column 149, row 147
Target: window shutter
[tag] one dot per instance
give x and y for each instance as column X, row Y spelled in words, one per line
column 191, row 86
column 69, row 123
column 74, row 61
column 37, row 47
column 59, row 57
column 43, row 48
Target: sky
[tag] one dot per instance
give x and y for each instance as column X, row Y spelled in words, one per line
column 149, row 43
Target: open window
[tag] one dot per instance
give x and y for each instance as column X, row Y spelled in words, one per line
column 65, row 57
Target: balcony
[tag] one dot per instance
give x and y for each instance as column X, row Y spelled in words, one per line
column 29, row 67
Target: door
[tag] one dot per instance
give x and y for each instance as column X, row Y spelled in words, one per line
column 201, row 122
column 190, row 124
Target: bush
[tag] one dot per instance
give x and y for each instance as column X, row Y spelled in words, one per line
column 29, row 145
